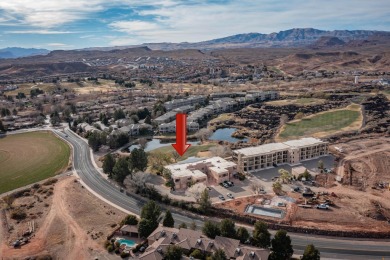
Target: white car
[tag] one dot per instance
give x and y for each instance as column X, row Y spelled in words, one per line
column 229, row 195
column 322, row 206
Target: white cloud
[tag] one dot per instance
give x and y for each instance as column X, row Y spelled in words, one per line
column 202, row 21
column 193, row 20
column 38, row 32
column 58, row 45
column 131, row 27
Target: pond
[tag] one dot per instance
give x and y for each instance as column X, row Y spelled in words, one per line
column 225, row 134
column 154, row 144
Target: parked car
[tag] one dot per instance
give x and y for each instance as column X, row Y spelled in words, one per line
column 274, row 178
column 225, row 185
column 229, row 183
column 296, row 189
column 322, row 206
column 209, row 188
column 229, row 195
column 221, row 197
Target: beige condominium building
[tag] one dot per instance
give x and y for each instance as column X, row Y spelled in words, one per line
column 253, row 159
column 212, row 170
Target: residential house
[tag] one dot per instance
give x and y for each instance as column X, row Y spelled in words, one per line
column 189, row 240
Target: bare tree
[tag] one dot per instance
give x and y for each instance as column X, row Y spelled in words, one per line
column 175, row 155
column 142, row 143
column 196, row 190
column 256, row 187
column 221, row 151
column 137, row 180
column 204, row 134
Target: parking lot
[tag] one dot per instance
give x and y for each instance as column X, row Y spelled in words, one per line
column 240, row 189
column 263, row 179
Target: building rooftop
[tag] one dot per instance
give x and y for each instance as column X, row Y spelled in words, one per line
column 262, row 149
column 304, row 142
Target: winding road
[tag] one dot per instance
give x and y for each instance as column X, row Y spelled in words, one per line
column 330, row 247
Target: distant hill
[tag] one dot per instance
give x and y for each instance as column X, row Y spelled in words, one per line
column 327, row 41
column 15, row 52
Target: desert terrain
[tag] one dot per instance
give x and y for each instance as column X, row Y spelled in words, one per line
column 69, row 222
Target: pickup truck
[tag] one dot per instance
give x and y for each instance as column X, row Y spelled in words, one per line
column 322, row 206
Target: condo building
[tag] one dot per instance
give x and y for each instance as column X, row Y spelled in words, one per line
column 253, row 159
column 212, row 170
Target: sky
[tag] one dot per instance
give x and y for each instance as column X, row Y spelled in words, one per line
column 74, row 24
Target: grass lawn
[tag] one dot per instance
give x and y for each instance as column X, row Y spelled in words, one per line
column 323, row 123
column 30, row 157
column 192, row 151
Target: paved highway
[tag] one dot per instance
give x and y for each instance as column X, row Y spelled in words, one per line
column 330, row 247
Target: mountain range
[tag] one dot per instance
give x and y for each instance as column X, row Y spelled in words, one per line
column 16, row 52
column 297, row 37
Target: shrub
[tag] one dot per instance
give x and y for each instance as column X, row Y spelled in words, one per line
column 36, row 186
column 125, row 254
column 18, row 214
column 110, row 248
column 44, row 257
column 117, row 251
column 50, row 181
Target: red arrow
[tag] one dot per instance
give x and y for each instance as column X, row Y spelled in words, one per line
column 181, row 145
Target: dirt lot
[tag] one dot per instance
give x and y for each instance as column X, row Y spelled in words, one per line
column 357, row 207
column 70, row 224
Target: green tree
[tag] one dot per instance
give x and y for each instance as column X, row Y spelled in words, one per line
column 281, row 247
column 20, row 95
column 242, row 234
column 205, row 201
column 151, row 211
column 148, row 120
column 119, row 114
column 5, row 112
column 2, row 128
column 261, row 235
column 277, row 187
column 173, row 253
column 168, row 220
column 146, row 227
column 284, row 175
column 130, row 220
column 211, row 229
column 311, row 253
column 139, row 159
column 93, row 140
column 108, row 163
column 197, row 254
column 219, row 254
column 121, row 170
column 227, row 228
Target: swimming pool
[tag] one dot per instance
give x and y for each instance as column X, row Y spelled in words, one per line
column 269, row 212
column 128, row 243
